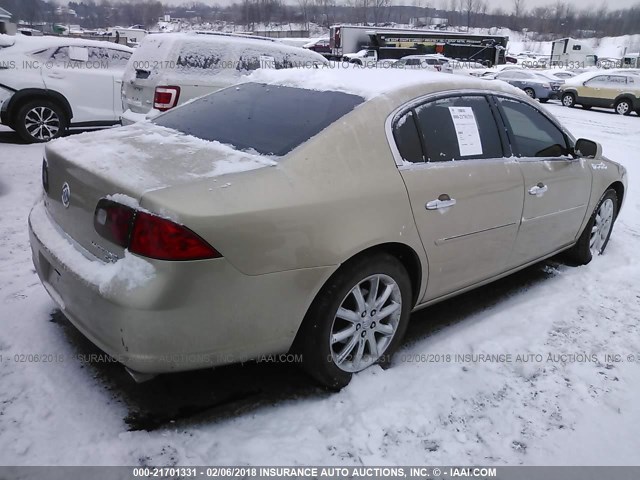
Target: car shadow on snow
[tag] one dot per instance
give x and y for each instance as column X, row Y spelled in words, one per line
column 225, row 392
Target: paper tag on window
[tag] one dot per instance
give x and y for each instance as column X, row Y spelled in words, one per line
column 267, row 62
column 464, row 121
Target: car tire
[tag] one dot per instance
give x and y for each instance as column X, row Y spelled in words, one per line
column 623, row 107
column 596, row 234
column 530, row 92
column 332, row 359
column 544, row 100
column 39, row 121
column 569, row 100
column 586, row 107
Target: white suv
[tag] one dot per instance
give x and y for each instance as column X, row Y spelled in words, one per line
column 51, row 84
column 168, row 69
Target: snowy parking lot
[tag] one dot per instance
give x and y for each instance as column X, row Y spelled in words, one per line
column 542, row 367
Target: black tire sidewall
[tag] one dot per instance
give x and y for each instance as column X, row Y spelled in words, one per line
column 316, row 328
column 19, row 122
column 581, row 252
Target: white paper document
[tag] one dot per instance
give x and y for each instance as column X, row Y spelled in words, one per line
column 467, row 132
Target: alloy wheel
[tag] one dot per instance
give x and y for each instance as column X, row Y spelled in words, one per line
column 601, row 227
column 567, row 101
column 365, row 323
column 623, row 108
column 42, row 123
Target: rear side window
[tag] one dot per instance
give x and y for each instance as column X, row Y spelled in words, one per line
column 533, row 134
column 407, row 139
column 268, row 119
column 458, row 128
column 118, row 58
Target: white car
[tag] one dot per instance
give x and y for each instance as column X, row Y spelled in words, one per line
column 49, row 85
column 433, row 62
column 170, row 69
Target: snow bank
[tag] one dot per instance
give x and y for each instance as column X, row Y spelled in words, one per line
column 129, row 272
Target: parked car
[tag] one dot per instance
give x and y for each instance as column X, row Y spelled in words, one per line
column 619, row 91
column 169, row 69
column 53, row 84
column 557, row 74
column 241, row 225
column 320, row 45
column 534, row 84
column 435, row 63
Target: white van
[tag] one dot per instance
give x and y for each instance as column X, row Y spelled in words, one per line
column 169, row 69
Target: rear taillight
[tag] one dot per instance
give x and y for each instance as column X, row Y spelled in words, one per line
column 165, row 98
column 149, row 235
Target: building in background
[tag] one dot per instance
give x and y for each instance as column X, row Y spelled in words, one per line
column 6, row 26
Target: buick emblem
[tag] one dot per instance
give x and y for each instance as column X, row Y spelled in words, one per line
column 66, row 195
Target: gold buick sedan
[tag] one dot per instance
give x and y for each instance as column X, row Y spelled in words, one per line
column 309, row 211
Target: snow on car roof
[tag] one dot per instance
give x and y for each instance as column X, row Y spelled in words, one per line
column 25, row 43
column 369, row 82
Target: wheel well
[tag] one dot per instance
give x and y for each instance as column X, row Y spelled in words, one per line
column 619, row 188
column 624, row 97
column 28, row 95
column 406, row 256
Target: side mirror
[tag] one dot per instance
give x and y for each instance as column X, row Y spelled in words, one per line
column 588, row 148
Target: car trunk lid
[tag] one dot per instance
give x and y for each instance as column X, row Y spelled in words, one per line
column 123, row 164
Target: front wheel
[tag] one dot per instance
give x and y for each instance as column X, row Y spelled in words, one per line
column 595, row 237
column 530, row 92
column 623, row 107
column 568, row 100
column 357, row 320
column 544, row 100
column 39, row 121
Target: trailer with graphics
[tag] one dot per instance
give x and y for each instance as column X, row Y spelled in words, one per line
column 390, row 43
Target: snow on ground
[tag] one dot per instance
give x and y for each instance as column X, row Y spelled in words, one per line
column 575, row 407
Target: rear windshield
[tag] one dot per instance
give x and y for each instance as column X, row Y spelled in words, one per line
column 268, row 119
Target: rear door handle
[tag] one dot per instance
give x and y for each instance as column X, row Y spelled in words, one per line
column 538, row 190
column 443, row 201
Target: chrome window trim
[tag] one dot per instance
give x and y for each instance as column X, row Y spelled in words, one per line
column 405, row 107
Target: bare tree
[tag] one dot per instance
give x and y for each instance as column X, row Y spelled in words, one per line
column 470, row 9
column 379, row 9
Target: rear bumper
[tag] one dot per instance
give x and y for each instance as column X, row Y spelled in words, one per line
column 129, row 117
column 182, row 316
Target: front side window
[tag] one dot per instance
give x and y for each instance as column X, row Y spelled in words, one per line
column 599, row 80
column 458, row 128
column 267, row 119
column 118, row 58
column 532, row 134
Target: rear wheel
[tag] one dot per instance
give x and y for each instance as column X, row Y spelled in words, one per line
column 623, row 107
column 530, row 92
column 39, row 121
column 595, row 237
column 568, row 100
column 358, row 319
column 586, row 107
column 544, row 100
